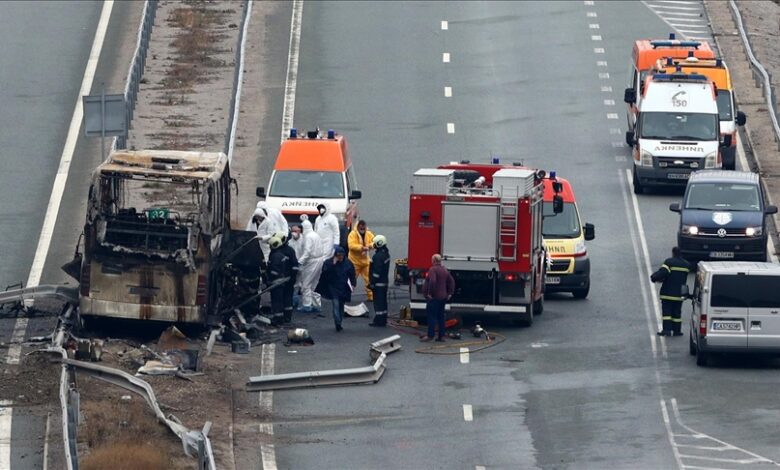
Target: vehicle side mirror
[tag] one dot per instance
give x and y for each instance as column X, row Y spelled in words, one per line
column 741, row 118
column 260, row 192
column 674, row 207
column 769, row 210
column 726, row 141
column 590, row 232
column 630, row 138
column 557, row 204
column 629, row 96
column 355, row 194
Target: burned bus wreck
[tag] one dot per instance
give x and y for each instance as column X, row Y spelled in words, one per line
column 158, row 243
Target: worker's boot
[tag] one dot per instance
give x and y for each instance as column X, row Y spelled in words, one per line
column 380, row 319
column 287, row 318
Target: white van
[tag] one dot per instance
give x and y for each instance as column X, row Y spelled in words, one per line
column 736, row 309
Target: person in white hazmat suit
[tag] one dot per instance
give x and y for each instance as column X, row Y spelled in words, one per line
column 310, row 267
column 265, row 228
column 275, row 215
column 327, row 226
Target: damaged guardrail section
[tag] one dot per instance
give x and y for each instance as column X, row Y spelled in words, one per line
column 359, row 375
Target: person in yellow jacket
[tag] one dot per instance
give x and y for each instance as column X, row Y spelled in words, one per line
column 359, row 242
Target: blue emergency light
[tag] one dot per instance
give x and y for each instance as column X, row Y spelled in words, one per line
column 669, row 61
column 331, row 134
column 293, row 133
column 672, row 36
column 495, row 161
column 552, row 175
column 718, row 62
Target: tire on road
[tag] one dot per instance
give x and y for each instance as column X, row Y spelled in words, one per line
column 582, row 292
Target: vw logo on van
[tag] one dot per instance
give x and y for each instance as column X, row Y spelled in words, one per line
column 721, row 232
column 721, row 218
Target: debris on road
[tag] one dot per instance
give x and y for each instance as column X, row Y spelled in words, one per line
column 359, row 310
column 299, row 336
column 384, row 346
column 361, row 375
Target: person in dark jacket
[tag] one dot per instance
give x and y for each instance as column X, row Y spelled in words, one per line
column 674, row 275
column 438, row 288
column 378, row 279
column 279, row 266
column 291, row 272
column 336, row 283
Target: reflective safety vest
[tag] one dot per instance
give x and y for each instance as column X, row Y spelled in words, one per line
column 674, row 275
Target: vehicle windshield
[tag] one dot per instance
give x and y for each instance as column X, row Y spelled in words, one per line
column 724, row 105
column 307, row 184
column 563, row 225
column 723, row 196
column 678, row 126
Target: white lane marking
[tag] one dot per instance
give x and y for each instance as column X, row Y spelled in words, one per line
column 46, row 442
column 699, row 31
column 645, row 251
column 609, row 102
column 598, row 50
column 700, row 435
column 591, row 14
column 601, row 63
column 448, row 92
column 450, row 128
column 643, row 288
column 468, row 413
column 686, row 20
column 595, row 38
column 239, row 85
column 616, row 131
column 47, row 230
column 668, row 425
column 17, row 337
column 617, row 145
column 464, row 355
column 664, row 351
column 291, row 80
column 266, row 401
column 745, row 166
column 6, row 416
column 604, row 75
column 593, row 26
column 664, row 7
column 479, row 467
column 678, row 2
column 445, row 57
column 606, row 89
column 678, row 14
column 445, row 25
column 612, row 116
column 588, row 3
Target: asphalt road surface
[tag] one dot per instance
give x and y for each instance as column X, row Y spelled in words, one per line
column 45, row 48
column 589, row 385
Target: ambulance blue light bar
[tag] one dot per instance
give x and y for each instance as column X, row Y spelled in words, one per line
column 293, row 133
column 331, row 134
column 679, row 77
column 694, row 44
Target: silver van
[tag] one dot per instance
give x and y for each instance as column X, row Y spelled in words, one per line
column 736, row 309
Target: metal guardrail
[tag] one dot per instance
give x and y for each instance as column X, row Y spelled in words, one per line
column 69, row 410
column 235, row 98
column 136, row 71
column 64, row 293
column 758, row 71
column 359, row 375
column 195, row 442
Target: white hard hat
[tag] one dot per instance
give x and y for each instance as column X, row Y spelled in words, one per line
column 380, row 241
column 275, row 242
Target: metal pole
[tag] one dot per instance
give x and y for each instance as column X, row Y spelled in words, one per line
column 102, row 121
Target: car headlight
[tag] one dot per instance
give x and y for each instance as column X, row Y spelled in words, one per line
column 754, row 231
column 711, row 160
column 579, row 248
column 646, row 158
column 690, row 229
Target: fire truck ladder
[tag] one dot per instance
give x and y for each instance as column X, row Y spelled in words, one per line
column 507, row 233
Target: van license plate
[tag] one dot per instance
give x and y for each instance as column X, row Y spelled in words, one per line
column 678, row 176
column 726, row 326
column 722, row 254
column 552, row 280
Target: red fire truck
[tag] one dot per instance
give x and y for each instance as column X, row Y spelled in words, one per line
column 486, row 222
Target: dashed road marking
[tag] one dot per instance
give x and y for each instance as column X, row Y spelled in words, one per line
column 445, row 25
column 479, row 467
column 266, row 402
column 620, row 158
column 6, row 417
column 450, row 128
column 447, row 91
column 445, row 57
column 593, row 26
column 615, row 131
column 46, row 442
column 609, row 102
column 464, row 355
column 588, row 3
column 291, row 80
column 617, row 145
column 468, row 413
column 604, row 75
column 612, row 116
column 606, row 89
column 601, row 63
column 595, row 37
column 598, row 50
column 591, row 14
